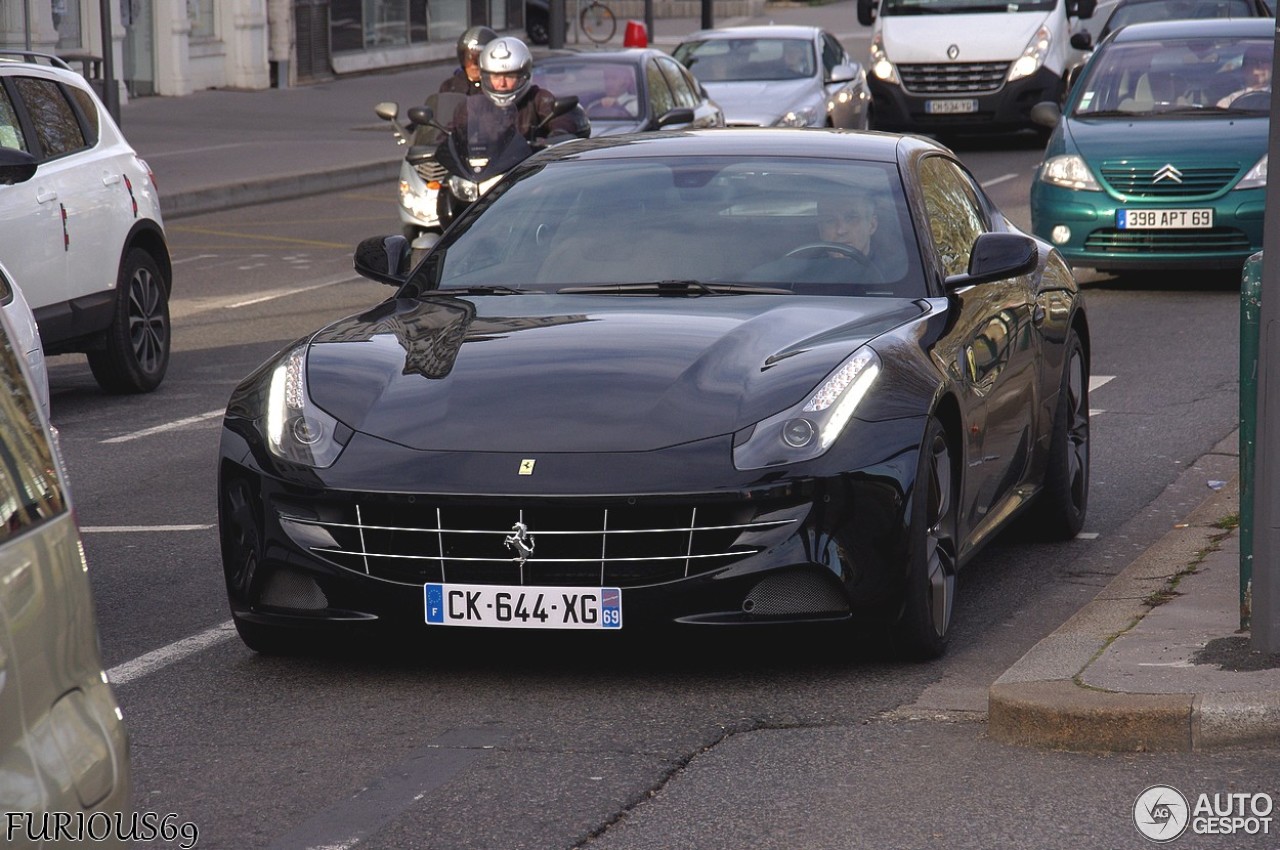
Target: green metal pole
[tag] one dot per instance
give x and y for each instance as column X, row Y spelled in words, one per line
column 1250, row 322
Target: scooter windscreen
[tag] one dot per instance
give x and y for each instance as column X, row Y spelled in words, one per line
column 483, row 140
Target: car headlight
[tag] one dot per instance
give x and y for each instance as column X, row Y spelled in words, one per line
column 465, row 189
column 808, row 116
column 881, row 67
column 808, row 429
column 1257, row 176
column 296, row 430
column 1032, row 57
column 1070, row 172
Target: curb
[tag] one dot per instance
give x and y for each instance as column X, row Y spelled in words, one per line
column 277, row 188
column 1042, row 701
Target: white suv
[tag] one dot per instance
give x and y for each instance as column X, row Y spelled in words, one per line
column 80, row 225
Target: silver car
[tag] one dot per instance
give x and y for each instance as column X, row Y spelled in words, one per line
column 779, row 76
column 63, row 749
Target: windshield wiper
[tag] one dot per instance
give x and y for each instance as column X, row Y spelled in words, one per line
column 673, row 287
column 486, row 290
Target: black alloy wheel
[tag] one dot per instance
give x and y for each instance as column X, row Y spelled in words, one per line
column 136, row 351
column 1060, row 509
column 922, row 631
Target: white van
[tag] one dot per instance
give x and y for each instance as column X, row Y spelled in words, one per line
column 967, row 65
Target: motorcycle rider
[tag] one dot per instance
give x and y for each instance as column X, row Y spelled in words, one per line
column 506, row 68
column 466, row 79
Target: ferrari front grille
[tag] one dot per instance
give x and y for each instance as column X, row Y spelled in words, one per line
column 621, row 545
column 953, row 78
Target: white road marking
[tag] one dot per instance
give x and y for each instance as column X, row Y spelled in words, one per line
column 1096, row 381
column 168, row 426
column 283, row 293
column 131, row 529
column 1087, row 535
column 192, row 259
column 1003, row 178
column 160, row 658
column 194, row 306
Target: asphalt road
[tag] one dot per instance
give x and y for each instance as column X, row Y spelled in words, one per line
column 481, row 742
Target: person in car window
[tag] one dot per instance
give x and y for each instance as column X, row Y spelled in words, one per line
column 1256, row 67
column 848, row 220
column 619, row 93
column 842, row 251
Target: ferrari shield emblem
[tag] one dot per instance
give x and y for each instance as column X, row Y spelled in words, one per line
column 526, row 466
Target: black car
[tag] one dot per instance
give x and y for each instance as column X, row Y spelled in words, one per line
column 630, row 90
column 669, row 379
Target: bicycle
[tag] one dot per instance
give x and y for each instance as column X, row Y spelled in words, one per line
column 597, row 22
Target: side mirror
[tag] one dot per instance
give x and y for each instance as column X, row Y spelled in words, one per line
column 387, row 110
column 1082, row 40
column 423, row 115
column 1082, row 8
column 16, row 166
column 679, row 115
column 866, row 12
column 564, row 105
column 843, row 73
column 996, row 256
column 384, row 259
column 1046, row 113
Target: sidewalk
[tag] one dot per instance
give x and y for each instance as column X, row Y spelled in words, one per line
column 1119, row 675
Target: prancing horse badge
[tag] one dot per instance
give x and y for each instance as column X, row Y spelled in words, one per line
column 526, row 466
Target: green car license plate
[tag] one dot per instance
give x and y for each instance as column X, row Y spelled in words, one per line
column 1190, row 219
column 523, row 606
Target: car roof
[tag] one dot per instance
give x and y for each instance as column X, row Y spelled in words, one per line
column 771, row 141
column 631, row 55
column 1195, row 28
column 756, row 31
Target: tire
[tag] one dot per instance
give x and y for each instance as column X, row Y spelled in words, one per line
column 597, row 22
column 537, row 28
column 136, row 352
column 1059, row 510
column 923, row 629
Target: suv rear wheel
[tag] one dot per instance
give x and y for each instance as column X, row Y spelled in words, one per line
column 136, row 354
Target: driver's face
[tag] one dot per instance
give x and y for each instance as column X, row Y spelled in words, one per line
column 848, row 221
column 504, row 82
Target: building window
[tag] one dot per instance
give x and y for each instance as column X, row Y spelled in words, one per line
column 372, row 24
column 201, row 14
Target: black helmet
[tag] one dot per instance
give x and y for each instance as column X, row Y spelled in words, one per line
column 471, row 42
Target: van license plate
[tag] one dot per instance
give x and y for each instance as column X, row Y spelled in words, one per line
column 1164, row 219
column 950, row 107
column 523, row 606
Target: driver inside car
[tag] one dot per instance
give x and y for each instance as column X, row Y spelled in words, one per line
column 842, row 251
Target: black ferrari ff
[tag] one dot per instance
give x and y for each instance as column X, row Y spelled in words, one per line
column 697, row 378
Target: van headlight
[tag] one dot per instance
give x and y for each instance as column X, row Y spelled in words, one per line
column 881, row 67
column 1033, row 56
column 808, row 429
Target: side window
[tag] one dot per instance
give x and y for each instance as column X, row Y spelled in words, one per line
column 684, row 93
column 660, row 97
column 57, row 127
column 832, row 54
column 10, row 132
column 89, row 109
column 30, row 492
column 956, row 216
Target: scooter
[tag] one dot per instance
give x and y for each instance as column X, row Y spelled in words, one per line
column 449, row 166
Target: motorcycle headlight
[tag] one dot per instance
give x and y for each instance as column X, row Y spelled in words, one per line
column 808, row 429
column 1257, row 176
column 1070, row 172
column 296, row 430
column 421, row 203
column 465, row 189
column 881, row 67
column 1033, row 56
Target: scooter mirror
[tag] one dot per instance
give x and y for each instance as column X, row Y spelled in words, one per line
column 387, row 110
column 423, row 115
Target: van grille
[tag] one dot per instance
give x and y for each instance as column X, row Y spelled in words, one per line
column 953, row 77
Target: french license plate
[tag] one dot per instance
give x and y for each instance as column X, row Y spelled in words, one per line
column 523, row 606
column 950, row 107
column 1164, row 219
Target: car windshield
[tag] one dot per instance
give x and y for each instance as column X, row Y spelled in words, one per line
column 1166, row 10
column 705, row 225
column 606, row 90
column 950, row 7
column 1210, row 76
column 723, row 60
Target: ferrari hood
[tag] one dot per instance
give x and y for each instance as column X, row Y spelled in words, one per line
column 762, row 103
column 580, row 373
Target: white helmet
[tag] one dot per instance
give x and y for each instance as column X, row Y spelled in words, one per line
column 505, row 56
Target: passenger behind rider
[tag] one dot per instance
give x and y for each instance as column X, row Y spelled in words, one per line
column 466, row 79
